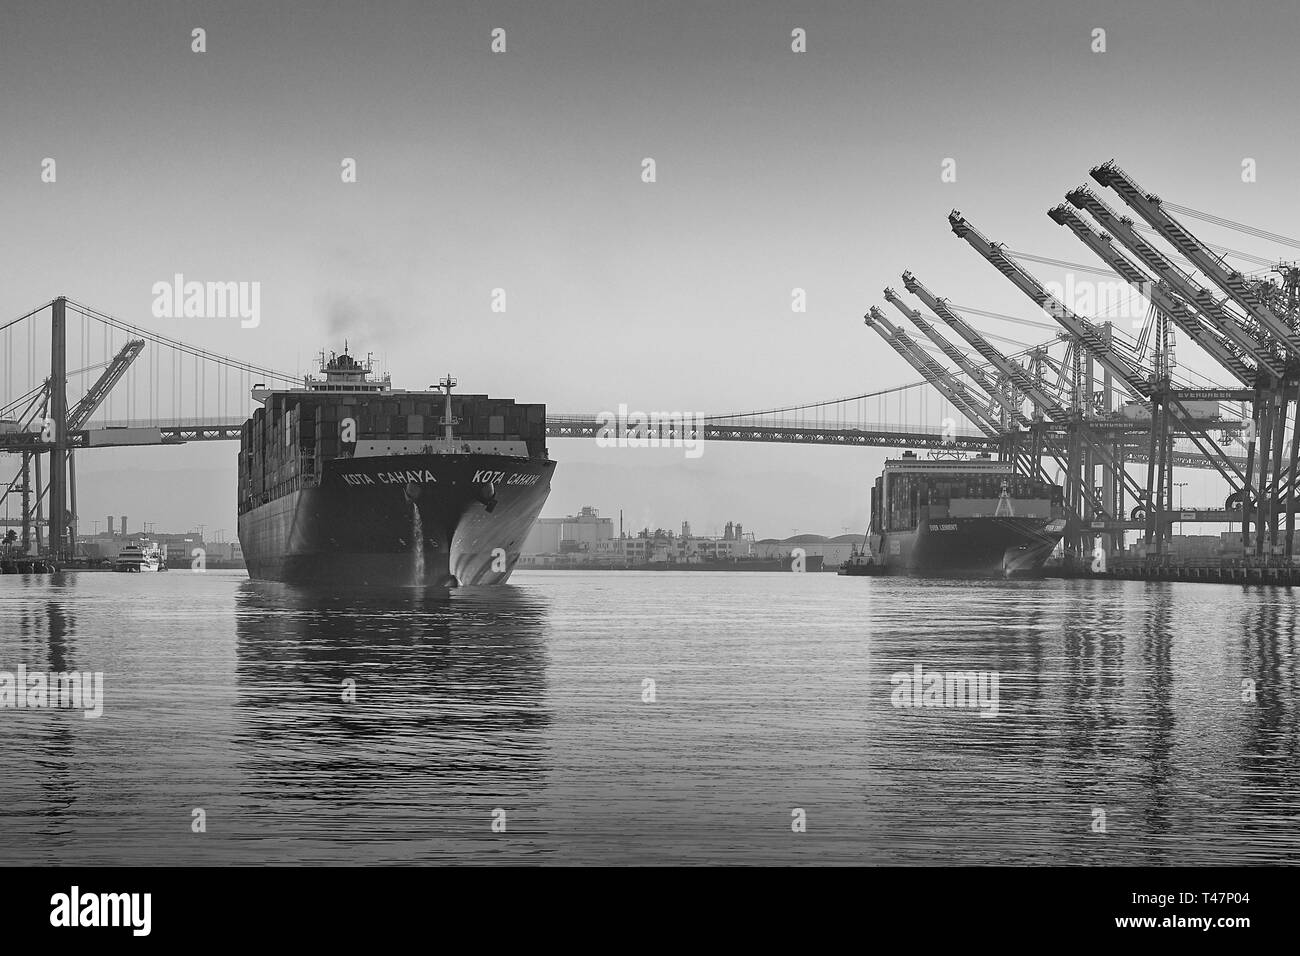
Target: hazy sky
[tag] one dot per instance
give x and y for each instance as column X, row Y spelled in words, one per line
column 522, row 171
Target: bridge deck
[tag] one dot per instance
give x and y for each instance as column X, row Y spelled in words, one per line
column 182, row 431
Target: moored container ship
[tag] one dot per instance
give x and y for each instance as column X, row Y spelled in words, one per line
column 348, row 482
column 974, row 517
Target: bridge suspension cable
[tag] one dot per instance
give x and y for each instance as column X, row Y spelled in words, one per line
column 180, row 346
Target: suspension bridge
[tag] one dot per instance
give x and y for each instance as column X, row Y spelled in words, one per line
column 1088, row 398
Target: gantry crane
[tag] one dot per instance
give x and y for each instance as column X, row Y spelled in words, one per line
column 1029, row 461
column 76, row 419
column 1234, row 334
column 1154, row 387
column 1083, row 441
column 1252, row 334
column 1274, row 403
column 959, row 395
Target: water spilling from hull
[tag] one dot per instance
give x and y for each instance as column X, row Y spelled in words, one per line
column 417, row 544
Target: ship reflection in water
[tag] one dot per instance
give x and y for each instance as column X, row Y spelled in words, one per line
column 411, row 717
column 247, row 722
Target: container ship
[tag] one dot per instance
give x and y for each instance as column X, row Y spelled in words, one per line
column 974, row 517
column 348, row 482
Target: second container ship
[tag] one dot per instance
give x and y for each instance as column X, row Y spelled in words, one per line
column 959, row 516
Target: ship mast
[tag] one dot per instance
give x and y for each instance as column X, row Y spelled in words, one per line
column 447, row 384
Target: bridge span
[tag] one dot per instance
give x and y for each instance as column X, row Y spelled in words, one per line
column 146, row 432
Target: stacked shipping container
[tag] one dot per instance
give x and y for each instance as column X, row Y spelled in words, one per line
column 288, row 440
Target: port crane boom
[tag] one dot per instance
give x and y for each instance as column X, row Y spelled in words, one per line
column 80, row 413
column 1246, row 341
column 1010, row 407
column 1043, row 403
column 1149, row 207
column 942, row 381
column 1083, row 330
column 1160, row 294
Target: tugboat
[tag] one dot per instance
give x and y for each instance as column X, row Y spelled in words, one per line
column 861, row 562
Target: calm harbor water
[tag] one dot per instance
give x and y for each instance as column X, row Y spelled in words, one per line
column 1118, row 703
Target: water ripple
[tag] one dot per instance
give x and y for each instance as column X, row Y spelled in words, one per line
column 353, row 728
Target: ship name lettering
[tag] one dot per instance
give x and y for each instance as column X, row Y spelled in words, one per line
column 402, row 477
column 423, row 477
column 488, row 477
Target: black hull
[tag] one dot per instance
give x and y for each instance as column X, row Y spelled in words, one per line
column 399, row 521
column 860, row 569
column 973, row 547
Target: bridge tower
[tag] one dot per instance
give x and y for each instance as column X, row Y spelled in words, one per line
column 58, row 415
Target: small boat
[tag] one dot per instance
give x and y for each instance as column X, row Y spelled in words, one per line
column 861, row 562
column 27, row 564
column 142, row 557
